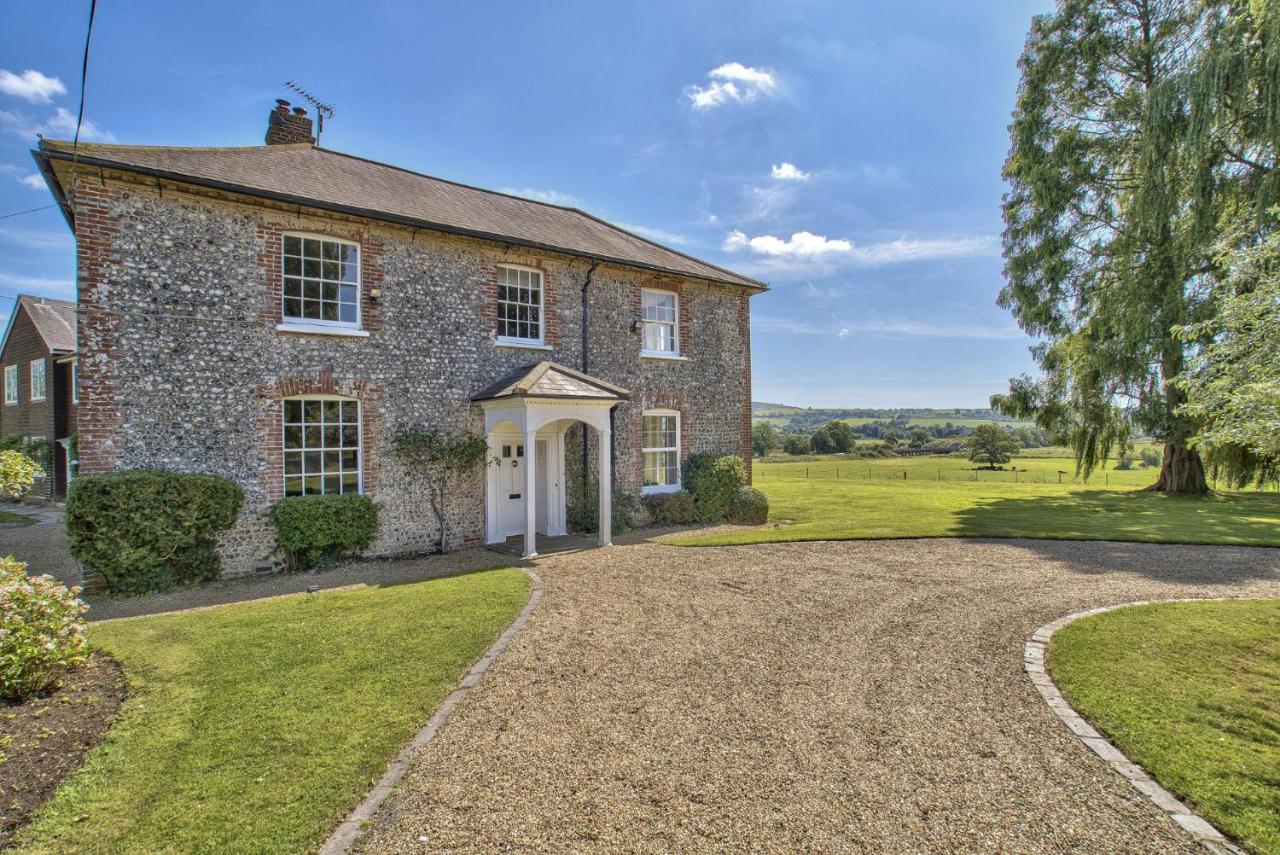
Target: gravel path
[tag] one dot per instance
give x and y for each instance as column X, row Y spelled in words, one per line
column 859, row 696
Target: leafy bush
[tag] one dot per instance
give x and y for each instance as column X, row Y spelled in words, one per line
column 671, row 508
column 1150, row 457
column 582, row 511
column 713, row 480
column 41, row 631
column 749, row 506
column 17, row 473
column 796, row 443
column 314, row 530
column 148, row 530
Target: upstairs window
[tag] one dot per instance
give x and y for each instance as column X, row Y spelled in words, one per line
column 519, row 305
column 321, row 446
column 659, row 313
column 321, row 282
column 37, row 380
column 660, row 445
column 75, row 383
column 11, row 384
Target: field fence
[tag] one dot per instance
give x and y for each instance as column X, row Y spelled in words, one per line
column 882, row 472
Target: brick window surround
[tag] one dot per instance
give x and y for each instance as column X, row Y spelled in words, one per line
column 271, row 261
column 271, row 425
column 550, row 312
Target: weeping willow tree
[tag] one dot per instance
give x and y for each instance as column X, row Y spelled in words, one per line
column 1115, row 197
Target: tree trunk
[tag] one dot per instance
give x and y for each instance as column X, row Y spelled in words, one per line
column 437, row 507
column 1181, row 472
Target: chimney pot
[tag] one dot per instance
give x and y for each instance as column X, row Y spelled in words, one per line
column 285, row 128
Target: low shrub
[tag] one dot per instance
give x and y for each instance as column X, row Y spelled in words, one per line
column 41, row 631
column 582, row 511
column 148, row 530
column 749, row 506
column 316, row 530
column 713, row 480
column 671, row 508
column 17, row 473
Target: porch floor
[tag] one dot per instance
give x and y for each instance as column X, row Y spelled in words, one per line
column 514, row 545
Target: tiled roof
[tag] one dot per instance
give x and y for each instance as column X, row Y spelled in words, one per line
column 551, row 380
column 55, row 320
column 308, row 174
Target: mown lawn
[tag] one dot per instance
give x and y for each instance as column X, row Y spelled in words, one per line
column 7, row 518
column 941, row 497
column 256, row 727
column 1191, row 692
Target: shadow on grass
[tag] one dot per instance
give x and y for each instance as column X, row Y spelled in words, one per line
column 1216, row 526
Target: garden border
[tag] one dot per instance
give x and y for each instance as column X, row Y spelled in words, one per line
column 342, row 837
column 1033, row 660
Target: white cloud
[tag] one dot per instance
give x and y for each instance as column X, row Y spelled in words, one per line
column 734, row 82
column 60, row 125
column 799, row 244
column 808, row 245
column 31, row 86
column 552, row 197
column 46, row 285
column 33, row 180
column 788, row 172
column 897, row 328
column 58, row 239
column 660, row 235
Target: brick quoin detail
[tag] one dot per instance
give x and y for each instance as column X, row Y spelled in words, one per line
column 98, row 417
column 271, row 425
column 271, row 260
column 684, row 310
column 550, row 298
column 664, row 399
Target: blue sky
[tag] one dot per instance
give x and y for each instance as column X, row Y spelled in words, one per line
column 847, row 153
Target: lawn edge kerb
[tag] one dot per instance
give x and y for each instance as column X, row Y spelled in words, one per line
column 1033, row 661
column 347, row 831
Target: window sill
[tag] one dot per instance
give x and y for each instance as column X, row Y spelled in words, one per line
column 657, row 354
column 665, row 488
column 310, row 329
column 38, row 400
column 527, row 345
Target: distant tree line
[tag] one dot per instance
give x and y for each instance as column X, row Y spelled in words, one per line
column 839, row 437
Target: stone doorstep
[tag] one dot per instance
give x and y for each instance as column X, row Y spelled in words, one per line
column 1034, row 664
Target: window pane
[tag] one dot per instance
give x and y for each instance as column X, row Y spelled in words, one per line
column 293, row 245
column 311, row 309
column 311, row 289
column 311, row 267
column 332, row 435
column 311, row 248
column 292, row 307
column 329, row 251
column 293, row 486
column 292, row 266
column 347, row 313
column 293, row 463
column 293, row 411
column 292, row 287
column 328, row 311
column 349, row 273
column 332, row 484
column 351, row 253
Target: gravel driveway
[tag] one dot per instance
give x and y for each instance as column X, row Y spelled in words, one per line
column 859, row 696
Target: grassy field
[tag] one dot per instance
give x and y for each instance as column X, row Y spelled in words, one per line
column 256, row 727
column 833, row 499
column 1191, row 692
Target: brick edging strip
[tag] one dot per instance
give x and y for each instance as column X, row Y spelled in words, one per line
column 1034, row 661
column 349, row 829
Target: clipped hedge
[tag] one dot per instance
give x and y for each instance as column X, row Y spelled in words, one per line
column 749, row 507
column 150, row 529
column 713, row 480
column 315, row 530
column 41, row 631
column 671, row 508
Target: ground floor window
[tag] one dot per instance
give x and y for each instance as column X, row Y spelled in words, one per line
column 321, row 446
column 660, row 444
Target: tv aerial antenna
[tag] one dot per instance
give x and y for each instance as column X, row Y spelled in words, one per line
column 322, row 109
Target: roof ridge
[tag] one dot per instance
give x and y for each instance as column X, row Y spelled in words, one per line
column 60, row 144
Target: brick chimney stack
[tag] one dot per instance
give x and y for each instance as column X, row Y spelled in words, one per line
column 284, row 127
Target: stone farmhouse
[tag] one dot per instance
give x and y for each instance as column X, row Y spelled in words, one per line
column 275, row 314
column 38, row 358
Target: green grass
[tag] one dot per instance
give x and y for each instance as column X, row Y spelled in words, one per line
column 7, row 518
column 1191, row 692
column 941, row 497
column 256, row 727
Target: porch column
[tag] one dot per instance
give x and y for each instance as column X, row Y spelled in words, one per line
column 530, row 493
column 606, row 488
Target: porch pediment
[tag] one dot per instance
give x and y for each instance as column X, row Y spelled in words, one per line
column 553, row 381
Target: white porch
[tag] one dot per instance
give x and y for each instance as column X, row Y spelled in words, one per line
column 526, row 418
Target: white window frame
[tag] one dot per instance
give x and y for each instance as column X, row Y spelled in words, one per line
column 675, row 325
column 540, row 341
column 11, row 385
column 284, row 449
column 291, row 323
column 75, row 382
column 44, row 380
column 661, row 488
